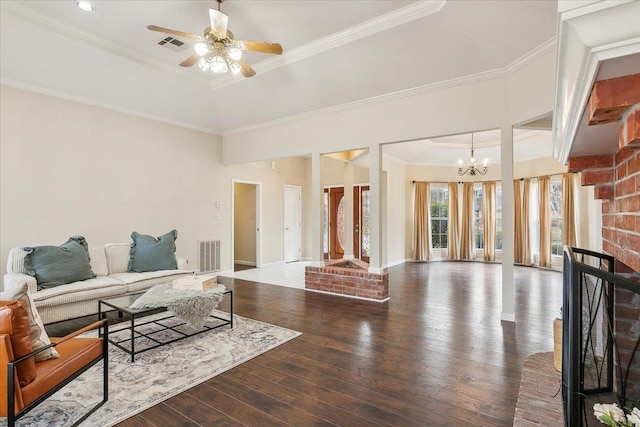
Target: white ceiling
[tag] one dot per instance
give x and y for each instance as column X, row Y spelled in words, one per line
column 448, row 150
column 335, row 53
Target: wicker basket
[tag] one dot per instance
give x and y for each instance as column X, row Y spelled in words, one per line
column 557, row 344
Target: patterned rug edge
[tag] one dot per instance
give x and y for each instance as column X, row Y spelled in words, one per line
column 208, row 377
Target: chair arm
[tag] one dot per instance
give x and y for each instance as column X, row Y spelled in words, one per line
column 100, row 323
column 13, row 280
column 6, row 354
column 183, row 264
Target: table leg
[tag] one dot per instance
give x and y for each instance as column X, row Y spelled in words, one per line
column 231, row 307
column 133, row 350
column 100, row 317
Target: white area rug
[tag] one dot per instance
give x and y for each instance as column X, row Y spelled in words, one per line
column 157, row 374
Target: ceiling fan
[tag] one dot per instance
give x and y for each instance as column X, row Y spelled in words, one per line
column 217, row 50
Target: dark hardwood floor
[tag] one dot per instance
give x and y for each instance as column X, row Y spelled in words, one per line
column 435, row 354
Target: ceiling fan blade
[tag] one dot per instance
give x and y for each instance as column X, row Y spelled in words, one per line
column 190, row 60
column 173, row 32
column 264, row 47
column 246, row 69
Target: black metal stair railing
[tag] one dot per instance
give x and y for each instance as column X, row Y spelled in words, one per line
column 590, row 354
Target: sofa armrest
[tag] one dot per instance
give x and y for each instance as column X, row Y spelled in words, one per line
column 183, row 264
column 13, row 280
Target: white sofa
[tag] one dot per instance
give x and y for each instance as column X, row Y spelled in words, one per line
column 110, row 264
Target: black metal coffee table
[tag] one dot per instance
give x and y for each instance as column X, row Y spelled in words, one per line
column 155, row 332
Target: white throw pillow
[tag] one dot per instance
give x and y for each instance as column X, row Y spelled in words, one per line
column 37, row 335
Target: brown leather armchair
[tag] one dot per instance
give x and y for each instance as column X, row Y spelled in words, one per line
column 27, row 383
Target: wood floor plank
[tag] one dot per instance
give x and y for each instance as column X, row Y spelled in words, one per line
column 435, row 354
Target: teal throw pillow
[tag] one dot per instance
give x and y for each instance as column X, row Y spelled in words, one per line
column 56, row 265
column 152, row 254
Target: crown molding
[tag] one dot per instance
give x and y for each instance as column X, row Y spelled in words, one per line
column 514, row 66
column 368, row 28
column 43, row 20
column 82, row 100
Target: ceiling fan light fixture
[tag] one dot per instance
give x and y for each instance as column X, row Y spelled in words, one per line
column 235, row 68
column 219, row 22
column 204, row 64
column 218, row 65
column 85, row 5
column 234, row 53
column 201, row 49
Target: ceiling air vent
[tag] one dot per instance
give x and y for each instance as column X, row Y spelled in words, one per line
column 172, row 43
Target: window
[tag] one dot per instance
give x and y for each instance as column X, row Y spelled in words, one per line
column 439, row 217
column 478, row 225
column 498, row 216
column 555, row 216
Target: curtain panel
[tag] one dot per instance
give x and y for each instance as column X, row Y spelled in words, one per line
column 453, row 232
column 489, row 219
column 519, row 225
column 466, row 242
column 545, row 222
column 421, row 222
column 526, row 240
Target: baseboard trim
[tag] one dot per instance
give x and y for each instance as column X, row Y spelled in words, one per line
column 347, row 296
column 241, row 262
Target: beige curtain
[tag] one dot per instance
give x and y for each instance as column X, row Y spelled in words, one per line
column 421, row 222
column 489, row 219
column 518, row 224
column 453, row 233
column 545, row 222
column 568, row 210
column 526, row 241
column 466, row 235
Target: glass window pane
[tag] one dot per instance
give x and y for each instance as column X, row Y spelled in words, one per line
column 365, row 229
column 557, row 221
column 478, row 225
column 326, row 222
column 439, row 217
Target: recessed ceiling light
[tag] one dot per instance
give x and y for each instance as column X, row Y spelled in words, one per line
column 85, row 5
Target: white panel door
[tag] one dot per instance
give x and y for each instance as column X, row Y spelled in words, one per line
column 292, row 223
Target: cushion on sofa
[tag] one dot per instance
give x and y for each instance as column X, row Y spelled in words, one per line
column 15, row 261
column 37, row 335
column 152, row 254
column 56, row 265
column 118, row 255
column 137, row 282
column 92, row 289
column 14, row 321
column 98, row 260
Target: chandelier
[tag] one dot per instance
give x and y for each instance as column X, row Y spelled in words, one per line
column 472, row 169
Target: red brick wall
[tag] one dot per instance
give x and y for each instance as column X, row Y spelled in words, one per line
column 347, row 281
column 621, row 214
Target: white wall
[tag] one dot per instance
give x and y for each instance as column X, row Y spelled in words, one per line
column 71, row 169
column 290, row 171
column 396, row 208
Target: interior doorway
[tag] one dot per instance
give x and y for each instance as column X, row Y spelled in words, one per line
column 246, row 219
column 334, row 222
